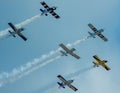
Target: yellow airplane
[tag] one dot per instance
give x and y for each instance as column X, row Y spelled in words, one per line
column 100, row 62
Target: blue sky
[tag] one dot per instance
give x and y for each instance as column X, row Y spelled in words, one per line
column 46, row 33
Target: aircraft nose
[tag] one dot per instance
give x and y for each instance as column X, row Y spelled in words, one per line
column 22, row 29
column 105, row 61
column 54, row 8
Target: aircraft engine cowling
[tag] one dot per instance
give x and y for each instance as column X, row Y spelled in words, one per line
column 105, row 61
column 21, row 29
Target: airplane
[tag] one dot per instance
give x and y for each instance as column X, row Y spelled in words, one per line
column 66, row 83
column 68, row 51
column 17, row 31
column 49, row 10
column 97, row 32
column 100, row 62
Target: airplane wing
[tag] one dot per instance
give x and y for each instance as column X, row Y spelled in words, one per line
column 12, row 26
column 96, row 58
column 66, row 83
column 44, row 5
column 74, row 55
column 22, row 36
column 64, row 47
column 62, row 79
column 102, row 37
column 55, row 14
column 68, row 51
column 72, row 87
column 105, row 66
column 92, row 27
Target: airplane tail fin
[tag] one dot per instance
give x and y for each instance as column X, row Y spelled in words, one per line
column 12, row 33
column 42, row 10
column 91, row 34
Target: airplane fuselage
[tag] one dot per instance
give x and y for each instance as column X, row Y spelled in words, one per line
column 98, row 32
column 19, row 30
column 50, row 10
column 69, row 82
column 63, row 84
column 97, row 63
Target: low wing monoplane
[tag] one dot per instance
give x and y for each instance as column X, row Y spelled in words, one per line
column 68, row 51
column 100, row 62
column 17, row 31
column 49, row 10
column 97, row 32
column 66, row 83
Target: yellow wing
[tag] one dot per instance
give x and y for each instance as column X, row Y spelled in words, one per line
column 97, row 58
column 105, row 66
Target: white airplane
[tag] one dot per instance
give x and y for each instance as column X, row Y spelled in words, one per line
column 68, row 51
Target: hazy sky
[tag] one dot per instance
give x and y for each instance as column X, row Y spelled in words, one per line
column 44, row 36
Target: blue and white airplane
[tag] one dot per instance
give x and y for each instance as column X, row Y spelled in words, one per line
column 97, row 32
column 49, row 10
column 66, row 82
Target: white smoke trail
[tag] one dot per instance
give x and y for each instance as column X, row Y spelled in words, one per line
column 72, row 75
column 28, row 21
column 77, row 42
column 15, row 75
column 78, row 72
column 31, row 66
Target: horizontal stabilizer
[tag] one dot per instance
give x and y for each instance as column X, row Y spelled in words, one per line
column 92, row 34
column 63, row 53
column 95, row 64
column 61, row 84
column 12, row 33
column 43, row 12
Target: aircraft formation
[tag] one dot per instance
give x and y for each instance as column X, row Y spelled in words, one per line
column 65, row 50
